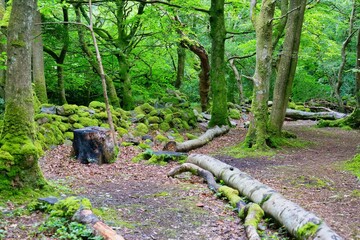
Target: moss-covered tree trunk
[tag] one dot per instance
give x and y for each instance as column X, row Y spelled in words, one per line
column 19, row 151
column 181, row 53
column 2, row 49
column 38, row 61
column 287, row 65
column 127, row 102
column 257, row 133
column 219, row 111
column 114, row 100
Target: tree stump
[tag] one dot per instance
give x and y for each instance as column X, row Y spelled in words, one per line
column 93, row 145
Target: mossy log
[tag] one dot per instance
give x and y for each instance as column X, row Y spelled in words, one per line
column 87, row 217
column 302, row 115
column 93, row 145
column 252, row 213
column 299, row 222
column 199, row 142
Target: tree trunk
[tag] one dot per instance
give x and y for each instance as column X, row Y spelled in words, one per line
column 199, row 142
column 180, row 66
column 19, row 150
column 339, row 82
column 204, row 75
column 357, row 73
column 127, row 102
column 299, row 222
column 38, row 61
column 238, row 80
column 280, row 27
column 287, row 65
column 94, row 145
column 114, row 100
column 219, row 111
column 2, row 50
column 257, row 133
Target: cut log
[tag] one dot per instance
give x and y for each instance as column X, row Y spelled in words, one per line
column 299, row 222
column 87, row 217
column 94, row 145
column 199, row 142
column 302, row 115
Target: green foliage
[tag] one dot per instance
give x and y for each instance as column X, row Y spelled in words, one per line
column 67, row 207
column 354, row 165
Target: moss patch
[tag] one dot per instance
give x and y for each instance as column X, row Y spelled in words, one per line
column 353, row 165
column 306, row 231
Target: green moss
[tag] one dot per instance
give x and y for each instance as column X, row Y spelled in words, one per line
column 77, row 126
column 69, row 135
column 138, row 158
column 168, row 118
column 69, row 109
column 164, row 126
column 126, row 144
column 231, row 194
column 88, row 122
column 154, row 119
column 178, row 137
column 105, row 125
column 17, row 43
column 73, row 118
column 101, row 115
column 191, row 136
column 141, row 129
column 154, row 126
column 68, row 207
column 354, row 165
column 257, row 214
column 161, row 138
column 307, row 230
column 144, row 146
column 234, row 114
column 64, row 127
column 99, row 106
column 147, row 108
column 122, row 131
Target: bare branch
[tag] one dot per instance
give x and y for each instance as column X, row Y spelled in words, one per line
column 242, row 57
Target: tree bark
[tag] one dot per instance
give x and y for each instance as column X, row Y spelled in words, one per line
column 287, row 65
column 257, row 133
column 199, row 142
column 238, row 80
column 180, row 73
column 299, row 222
column 2, row 50
column 219, row 111
column 38, row 61
column 19, row 150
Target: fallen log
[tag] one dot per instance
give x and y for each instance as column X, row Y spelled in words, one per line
column 87, row 217
column 251, row 213
column 302, row 115
column 299, row 222
column 196, row 143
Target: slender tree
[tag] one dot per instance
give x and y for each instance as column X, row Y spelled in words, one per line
column 19, row 150
column 219, row 111
column 180, row 71
column 38, row 61
column 287, row 64
column 2, row 50
column 262, row 21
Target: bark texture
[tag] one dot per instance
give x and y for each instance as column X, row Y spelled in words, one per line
column 287, row 65
column 257, row 134
column 238, row 80
column 199, row 142
column 94, row 145
column 2, row 50
column 19, row 151
column 219, row 111
column 38, row 61
column 180, row 73
column 299, row 222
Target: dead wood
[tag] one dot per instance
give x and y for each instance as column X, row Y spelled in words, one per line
column 199, row 142
column 302, row 115
column 299, row 222
column 87, row 217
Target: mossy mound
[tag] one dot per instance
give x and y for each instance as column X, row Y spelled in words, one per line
column 350, row 122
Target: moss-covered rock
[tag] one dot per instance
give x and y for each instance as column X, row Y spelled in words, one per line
column 122, row 131
column 67, row 207
column 141, row 129
column 67, row 109
column 88, row 122
column 154, row 119
column 73, row 118
column 164, row 126
column 147, row 108
column 69, row 135
column 234, row 114
column 77, row 126
column 98, row 106
column 161, row 138
column 154, row 126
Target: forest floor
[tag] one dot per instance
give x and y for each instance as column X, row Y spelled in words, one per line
column 141, row 202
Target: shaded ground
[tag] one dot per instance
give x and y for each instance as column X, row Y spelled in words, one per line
column 140, row 202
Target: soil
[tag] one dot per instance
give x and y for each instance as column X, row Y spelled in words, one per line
column 141, row 202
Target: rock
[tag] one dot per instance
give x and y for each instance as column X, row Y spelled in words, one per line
column 206, row 116
column 145, row 137
column 50, row 200
column 48, row 109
